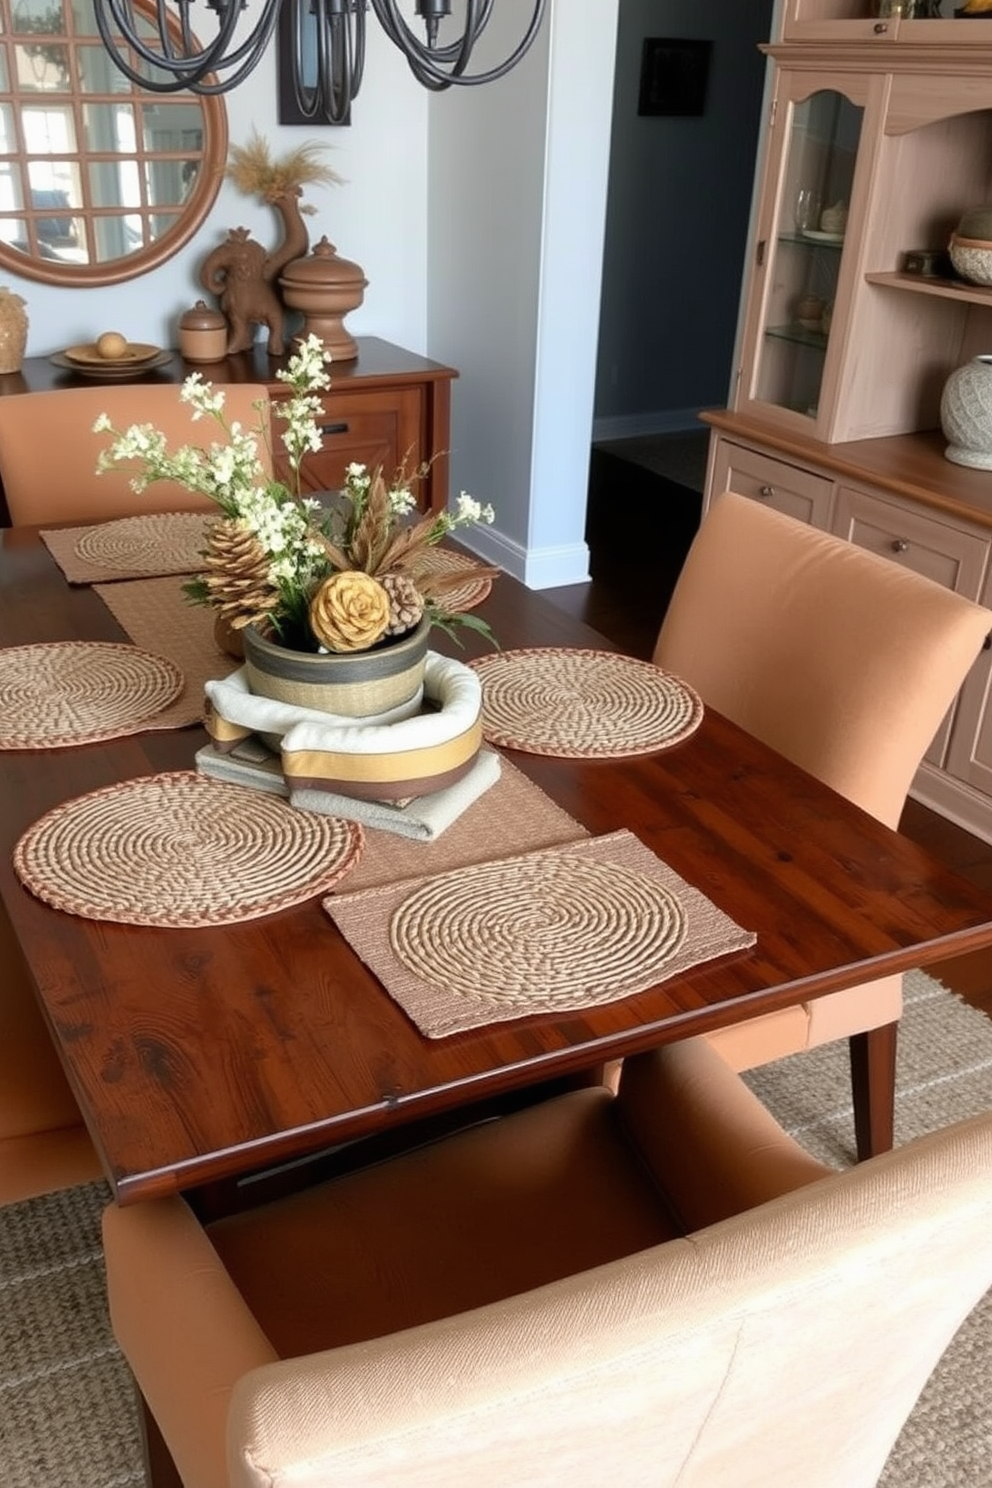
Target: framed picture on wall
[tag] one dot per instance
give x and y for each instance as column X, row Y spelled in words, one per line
column 674, row 74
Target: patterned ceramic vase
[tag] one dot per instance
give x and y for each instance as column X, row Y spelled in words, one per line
column 13, row 331
column 966, row 414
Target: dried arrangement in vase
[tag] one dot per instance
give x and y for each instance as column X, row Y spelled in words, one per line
column 240, row 271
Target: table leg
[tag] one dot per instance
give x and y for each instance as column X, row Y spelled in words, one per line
column 873, row 1086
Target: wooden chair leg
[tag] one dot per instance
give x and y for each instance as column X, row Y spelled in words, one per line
column 160, row 1470
column 873, row 1086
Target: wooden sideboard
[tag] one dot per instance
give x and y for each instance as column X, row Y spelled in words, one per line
column 386, row 406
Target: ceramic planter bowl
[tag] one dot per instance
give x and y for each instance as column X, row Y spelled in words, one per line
column 353, row 684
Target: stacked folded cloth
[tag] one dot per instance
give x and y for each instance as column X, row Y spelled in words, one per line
column 408, row 774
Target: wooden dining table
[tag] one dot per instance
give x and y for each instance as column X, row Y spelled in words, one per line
column 209, row 1056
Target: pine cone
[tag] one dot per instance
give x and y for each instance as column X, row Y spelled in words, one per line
column 406, row 606
column 237, row 574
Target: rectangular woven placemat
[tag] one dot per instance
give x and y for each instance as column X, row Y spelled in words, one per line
column 161, row 553
column 518, row 936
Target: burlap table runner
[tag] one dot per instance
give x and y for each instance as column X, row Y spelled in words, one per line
column 547, row 932
column 513, row 816
column 157, row 616
column 152, row 545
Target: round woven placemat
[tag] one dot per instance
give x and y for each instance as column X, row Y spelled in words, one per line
column 466, row 596
column 181, row 849
column 556, row 932
column 583, row 704
column 78, row 692
column 160, row 543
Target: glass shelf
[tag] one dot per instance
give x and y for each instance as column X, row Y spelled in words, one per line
column 803, row 240
column 799, row 336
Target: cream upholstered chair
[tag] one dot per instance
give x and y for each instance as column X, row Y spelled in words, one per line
column 846, row 663
column 43, row 1142
column 48, row 455
column 48, row 451
column 518, row 1304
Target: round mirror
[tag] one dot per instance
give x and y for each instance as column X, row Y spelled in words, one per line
column 99, row 180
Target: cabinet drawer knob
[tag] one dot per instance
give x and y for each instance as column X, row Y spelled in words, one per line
column 899, row 545
column 767, row 492
column 880, row 28
column 326, row 429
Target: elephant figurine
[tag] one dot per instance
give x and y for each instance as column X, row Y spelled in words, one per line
column 242, row 274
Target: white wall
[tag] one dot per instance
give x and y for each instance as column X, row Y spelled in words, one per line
column 378, row 218
column 517, row 189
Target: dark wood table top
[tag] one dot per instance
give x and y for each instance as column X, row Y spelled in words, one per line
column 204, row 1054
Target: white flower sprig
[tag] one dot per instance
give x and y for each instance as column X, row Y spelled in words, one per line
column 284, row 545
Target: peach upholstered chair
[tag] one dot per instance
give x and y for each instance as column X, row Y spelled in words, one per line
column 658, row 1287
column 48, row 451
column 846, row 663
column 48, row 455
column 43, row 1142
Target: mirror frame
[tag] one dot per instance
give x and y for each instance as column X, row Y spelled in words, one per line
column 194, row 210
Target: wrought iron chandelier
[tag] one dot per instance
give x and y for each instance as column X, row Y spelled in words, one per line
column 327, row 50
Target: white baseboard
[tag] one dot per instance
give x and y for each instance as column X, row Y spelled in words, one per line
column 538, row 568
column 636, row 425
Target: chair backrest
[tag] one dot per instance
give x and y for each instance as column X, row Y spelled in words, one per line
column 784, row 1346
column 843, row 661
column 48, row 450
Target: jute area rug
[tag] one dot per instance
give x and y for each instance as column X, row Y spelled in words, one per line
column 67, row 1417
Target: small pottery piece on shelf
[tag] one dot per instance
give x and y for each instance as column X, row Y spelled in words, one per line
column 13, row 330
column 351, row 684
column 809, row 312
column 325, row 287
column 202, row 334
column 966, row 414
column 970, row 247
column 834, row 219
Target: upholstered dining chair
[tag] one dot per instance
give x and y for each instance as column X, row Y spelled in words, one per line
column 44, row 1145
column 48, row 451
column 846, row 663
column 48, row 455
column 654, row 1287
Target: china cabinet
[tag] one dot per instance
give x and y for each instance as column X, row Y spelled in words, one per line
column 879, row 138
column 908, row 22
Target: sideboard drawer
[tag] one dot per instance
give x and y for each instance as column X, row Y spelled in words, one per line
column 381, row 426
column 949, row 555
column 943, row 551
column 787, row 488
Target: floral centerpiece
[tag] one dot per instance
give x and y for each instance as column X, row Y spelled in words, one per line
column 347, row 575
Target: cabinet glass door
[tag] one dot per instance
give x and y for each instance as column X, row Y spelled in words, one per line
column 806, row 245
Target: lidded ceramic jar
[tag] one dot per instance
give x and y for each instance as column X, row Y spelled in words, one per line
column 202, row 334
column 325, row 287
column 966, row 414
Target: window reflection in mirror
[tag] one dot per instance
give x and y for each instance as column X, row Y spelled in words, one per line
column 98, row 179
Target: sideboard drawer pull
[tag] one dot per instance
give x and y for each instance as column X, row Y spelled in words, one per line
column 899, row 545
column 766, row 492
column 326, row 429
